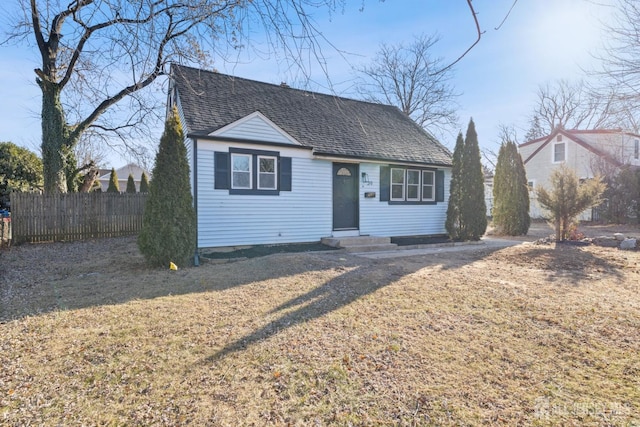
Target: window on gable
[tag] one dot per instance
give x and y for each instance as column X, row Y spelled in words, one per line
column 559, row 138
column 428, row 185
column 559, row 152
column 241, row 171
column 258, row 172
column 267, row 172
column 397, row 184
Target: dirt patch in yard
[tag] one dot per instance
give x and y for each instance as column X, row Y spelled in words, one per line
column 531, row 334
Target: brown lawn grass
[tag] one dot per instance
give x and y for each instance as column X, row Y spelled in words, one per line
column 528, row 335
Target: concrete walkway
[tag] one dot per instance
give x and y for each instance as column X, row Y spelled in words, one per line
column 485, row 243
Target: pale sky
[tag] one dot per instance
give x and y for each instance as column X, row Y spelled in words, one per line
column 541, row 41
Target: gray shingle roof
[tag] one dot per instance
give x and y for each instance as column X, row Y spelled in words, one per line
column 328, row 124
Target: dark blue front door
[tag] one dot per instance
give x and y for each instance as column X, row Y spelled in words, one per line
column 345, row 196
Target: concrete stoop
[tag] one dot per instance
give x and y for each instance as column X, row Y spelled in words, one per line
column 360, row 243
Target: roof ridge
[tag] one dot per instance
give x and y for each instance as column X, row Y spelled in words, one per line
column 275, row 85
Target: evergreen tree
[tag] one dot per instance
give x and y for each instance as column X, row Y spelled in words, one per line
column 453, row 222
column 144, row 183
column 131, row 185
column 467, row 210
column 510, row 193
column 169, row 224
column 568, row 198
column 474, row 207
column 113, row 182
column 20, row 170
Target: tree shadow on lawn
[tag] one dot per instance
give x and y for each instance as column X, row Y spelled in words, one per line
column 368, row 277
column 41, row 278
column 568, row 262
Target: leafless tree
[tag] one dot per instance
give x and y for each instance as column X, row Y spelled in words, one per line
column 568, row 105
column 621, row 55
column 411, row 78
column 98, row 56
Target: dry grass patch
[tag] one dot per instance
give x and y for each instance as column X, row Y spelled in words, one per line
column 538, row 335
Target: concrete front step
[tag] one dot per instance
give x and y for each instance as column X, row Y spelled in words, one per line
column 346, row 242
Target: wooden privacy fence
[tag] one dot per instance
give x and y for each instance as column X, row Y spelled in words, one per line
column 75, row 216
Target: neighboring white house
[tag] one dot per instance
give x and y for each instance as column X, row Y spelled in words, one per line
column 123, row 176
column 585, row 151
column 273, row 164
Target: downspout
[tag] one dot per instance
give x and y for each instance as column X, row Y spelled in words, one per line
column 196, row 256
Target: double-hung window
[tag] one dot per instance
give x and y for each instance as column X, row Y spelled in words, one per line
column 413, row 185
column 397, row 184
column 428, row 185
column 267, row 172
column 241, row 171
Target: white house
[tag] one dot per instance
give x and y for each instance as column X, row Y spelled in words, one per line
column 271, row 164
column 123, row 176
column 585, row 151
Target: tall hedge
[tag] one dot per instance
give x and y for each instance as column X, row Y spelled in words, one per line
column 144, row 183
column 466, row 213
column 169, row 224
column 453, row 222
column 114, row 187
column 131, row 185
column 510, row 193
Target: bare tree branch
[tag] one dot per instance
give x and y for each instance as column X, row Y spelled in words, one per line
column 411, row 79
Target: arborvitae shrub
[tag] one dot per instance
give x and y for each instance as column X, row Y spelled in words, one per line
column 144, row 183
column 169, row 224
column 510, row 193
column 131, row 185
column 113, row 182
column 466, row 213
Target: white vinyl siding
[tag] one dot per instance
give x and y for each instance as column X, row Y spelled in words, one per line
column 384, row 219
column 255, row 128
column 301, row 215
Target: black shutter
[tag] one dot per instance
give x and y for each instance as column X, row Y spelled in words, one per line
column 439, row 186
column 285, row 173
column 385, row 182
column 221, row 170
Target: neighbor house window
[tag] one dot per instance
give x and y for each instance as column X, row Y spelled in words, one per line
column 397, row 184
column 241, row 171
column 559, row 152
column 636, row 149
column 267, row 172
column 413, row 185
column 428, row 185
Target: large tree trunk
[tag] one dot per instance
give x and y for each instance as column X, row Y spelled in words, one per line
column 54, row 139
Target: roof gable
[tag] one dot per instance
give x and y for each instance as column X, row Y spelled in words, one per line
column 571, row 135
column 329, row 125
column 256, row 127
